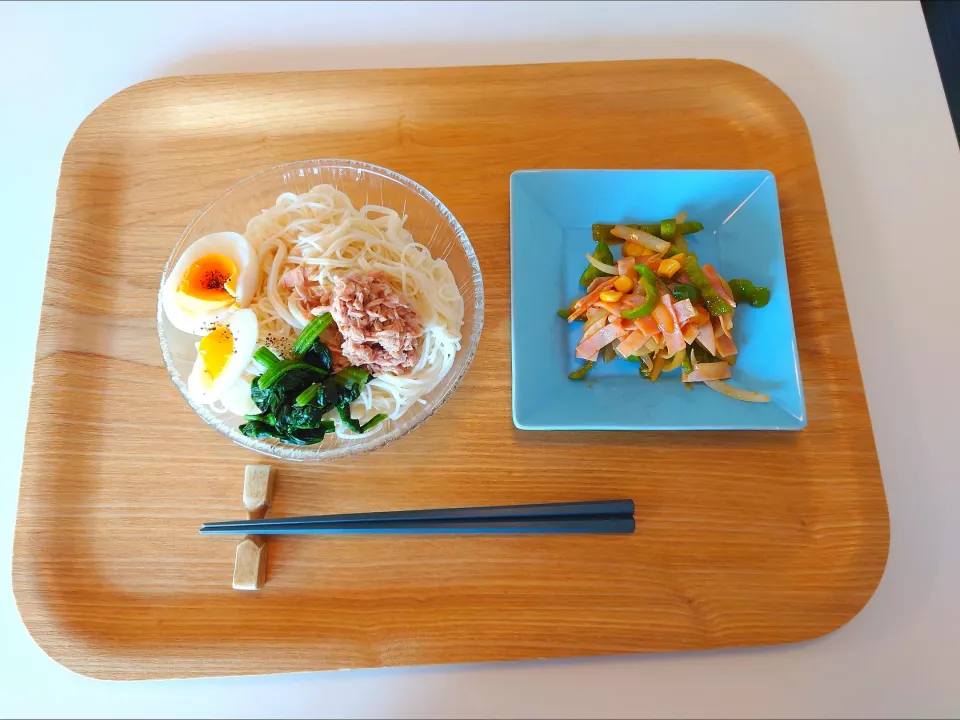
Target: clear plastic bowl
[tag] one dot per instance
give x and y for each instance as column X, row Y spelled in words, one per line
column 427, row 219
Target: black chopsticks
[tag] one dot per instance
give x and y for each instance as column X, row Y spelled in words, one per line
column 597, row 517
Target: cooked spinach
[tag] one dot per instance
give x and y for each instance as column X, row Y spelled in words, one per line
column 307, row 340
column 296, row 381
column 265, row 357
column 308, row 395
column 257, row 429
column 328, row 394
column 351, row 381
column 319, row 356
column 294, row 395
column 344, row 411
column 311, row 436
column 300, row 417
column 287, row 412
column 267, row 400
column 285, row 367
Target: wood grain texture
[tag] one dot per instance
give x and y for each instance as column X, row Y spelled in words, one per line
column 775, row 538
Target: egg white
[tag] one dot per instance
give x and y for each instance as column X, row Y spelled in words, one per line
column 236, row 398
column 196, row 320
column 206, row 389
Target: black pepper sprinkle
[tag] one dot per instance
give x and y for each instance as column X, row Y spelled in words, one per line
column 213, row 279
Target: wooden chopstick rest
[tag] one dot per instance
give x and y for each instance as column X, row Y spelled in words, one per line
column 250, row 565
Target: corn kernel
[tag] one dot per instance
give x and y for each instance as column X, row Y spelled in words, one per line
column 635, row 250
column 668, row 268
column 611, row 296
column 623, row 283
column 679, row 257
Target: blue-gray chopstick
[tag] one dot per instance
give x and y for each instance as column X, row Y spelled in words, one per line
column 497, row 512
column 591, row 524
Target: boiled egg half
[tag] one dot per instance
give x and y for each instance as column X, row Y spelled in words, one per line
column 223, row 356
column 213, row 277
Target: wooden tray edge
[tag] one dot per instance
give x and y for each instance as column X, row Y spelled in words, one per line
column 106, row 667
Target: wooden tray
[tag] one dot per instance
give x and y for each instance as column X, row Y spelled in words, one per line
column 759, row 538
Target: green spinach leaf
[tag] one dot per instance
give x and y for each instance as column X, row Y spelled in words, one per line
column 257, row 429
column 267, row 400
column 319, row 355
column 300, row 417
column 309, row 437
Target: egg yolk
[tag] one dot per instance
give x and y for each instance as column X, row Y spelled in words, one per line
column 212, row 278
column 216, row 347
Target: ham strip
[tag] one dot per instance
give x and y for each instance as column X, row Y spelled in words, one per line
column 708, row 371
column 707, row 339
column 714, row 277
column 599, row 340
column 632, row 342
column 684, row 311
column 725, row 346
column 667, row 320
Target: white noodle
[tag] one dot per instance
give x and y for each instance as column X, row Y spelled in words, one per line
column 322, row 231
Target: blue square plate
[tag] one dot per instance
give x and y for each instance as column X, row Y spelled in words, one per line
column 551, row 212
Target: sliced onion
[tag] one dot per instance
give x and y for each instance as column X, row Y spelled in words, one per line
column 595, row 313
column 596, row 319
column 609, row 352
column 651, row 242
column 596, row 282
column 736, row 393
column 658, row 363
column 681, row 217
column 675, row 361
column 650, row 347
column 603, row 267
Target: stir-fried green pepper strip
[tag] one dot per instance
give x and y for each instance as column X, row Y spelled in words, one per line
column 601, row 231
column 689, row 227
column 565, row 313
column 746, row 291
column 685, row 361
column 684, row 228
column 648, row 283
column 668, row 229
column 761, row 297
column 677, row 245
column 682, row 291
column 711, row 298
column 603, row 254
column 580, row 373
column 699, row 354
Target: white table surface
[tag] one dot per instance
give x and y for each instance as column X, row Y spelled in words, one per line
column 864, row 76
